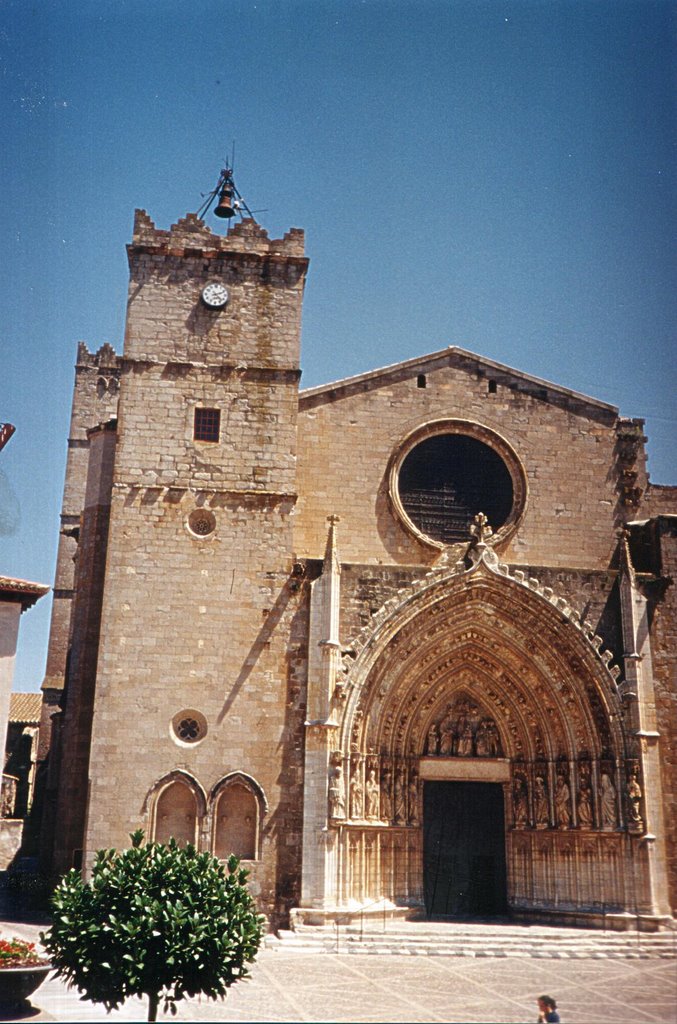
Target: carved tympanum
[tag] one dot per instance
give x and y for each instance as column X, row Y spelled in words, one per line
column 463, row 731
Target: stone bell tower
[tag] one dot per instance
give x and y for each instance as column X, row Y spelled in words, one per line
column 193, row 667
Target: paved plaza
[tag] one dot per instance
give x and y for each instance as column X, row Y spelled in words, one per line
column 294, row 986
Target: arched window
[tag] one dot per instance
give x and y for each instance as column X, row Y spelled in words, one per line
column 176, row 814
column 237, row 809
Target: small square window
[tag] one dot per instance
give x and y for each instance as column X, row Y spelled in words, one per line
column 207, row 425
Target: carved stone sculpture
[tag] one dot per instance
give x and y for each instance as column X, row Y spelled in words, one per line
column 386, row 799
column 446, row 747
column 562, row 803
column 356, row 794
column 493, row 739
column 634, row 801
column 520, row 802
column 482, row 740
column 372, row 795
column 433, row 741
column 608, row 794
column 465, row 742
column 584, row 801
column 337, row 802
column 400, row 809
column 540, row 803
column 413, row 799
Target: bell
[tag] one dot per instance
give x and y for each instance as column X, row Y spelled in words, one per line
column 224, row 208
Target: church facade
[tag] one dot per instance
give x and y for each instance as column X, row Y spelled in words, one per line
column 405, row 640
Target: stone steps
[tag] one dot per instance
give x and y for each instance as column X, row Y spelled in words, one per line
column 458, row 940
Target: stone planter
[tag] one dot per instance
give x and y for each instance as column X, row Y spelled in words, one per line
column 18, row 983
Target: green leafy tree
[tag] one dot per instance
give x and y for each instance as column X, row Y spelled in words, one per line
column 156, row 921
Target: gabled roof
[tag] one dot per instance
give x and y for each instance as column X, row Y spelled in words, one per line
column 464, row 360
column 25, row 707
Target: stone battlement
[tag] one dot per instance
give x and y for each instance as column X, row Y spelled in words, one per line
column 104, row 356
column 191, row 237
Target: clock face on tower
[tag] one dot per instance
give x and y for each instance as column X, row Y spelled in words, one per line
column 215, row 295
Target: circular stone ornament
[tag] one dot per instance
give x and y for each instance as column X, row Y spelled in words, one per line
column 189, row 727
column 201, row 522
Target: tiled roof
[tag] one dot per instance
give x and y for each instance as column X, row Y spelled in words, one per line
column 25, row 591
column 25, row 707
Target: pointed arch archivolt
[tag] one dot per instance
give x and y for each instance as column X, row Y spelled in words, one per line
column 519, row 653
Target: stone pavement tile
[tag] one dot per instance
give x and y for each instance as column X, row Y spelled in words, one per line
column 375, row 989
column 388, row 988
column 516, row 984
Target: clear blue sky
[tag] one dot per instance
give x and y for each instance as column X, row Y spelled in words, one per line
column 496, row 174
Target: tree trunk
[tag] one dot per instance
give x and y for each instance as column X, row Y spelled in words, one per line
column 153, row 1001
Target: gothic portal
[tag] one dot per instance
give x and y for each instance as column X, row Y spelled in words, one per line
column 405, row 640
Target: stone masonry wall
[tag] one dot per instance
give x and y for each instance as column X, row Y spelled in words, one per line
column 211, row 625
column 94, row 401
column 95, row 397
column 70, row 796
column 258, row 429
column 348, row 434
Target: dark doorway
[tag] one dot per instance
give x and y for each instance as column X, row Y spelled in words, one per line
column 464, row 849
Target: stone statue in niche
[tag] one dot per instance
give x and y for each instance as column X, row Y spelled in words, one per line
column 372, row 795
column 337, row 801
column 356, row 794
column 493, row 739
column 608, row 800
column 520, row 801
column 562, row 802
column 386, row 799
column 432, row 746
column 414, row 818
column 540, row 803
column 446, row 746
column 465, row 741
column 634, row 800
column 487, row 743
column 400, row 798
column 584, row 799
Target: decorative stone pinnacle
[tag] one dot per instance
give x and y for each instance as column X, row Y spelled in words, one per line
column 331, row 559
column 480, row 529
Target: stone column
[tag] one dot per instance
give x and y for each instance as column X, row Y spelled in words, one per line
column 323, row 764
column 638, row 692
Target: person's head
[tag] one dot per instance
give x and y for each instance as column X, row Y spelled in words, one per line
column 546, row 1004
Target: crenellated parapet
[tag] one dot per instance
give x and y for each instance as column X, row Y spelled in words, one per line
column 190, row 236
column 104, row 357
